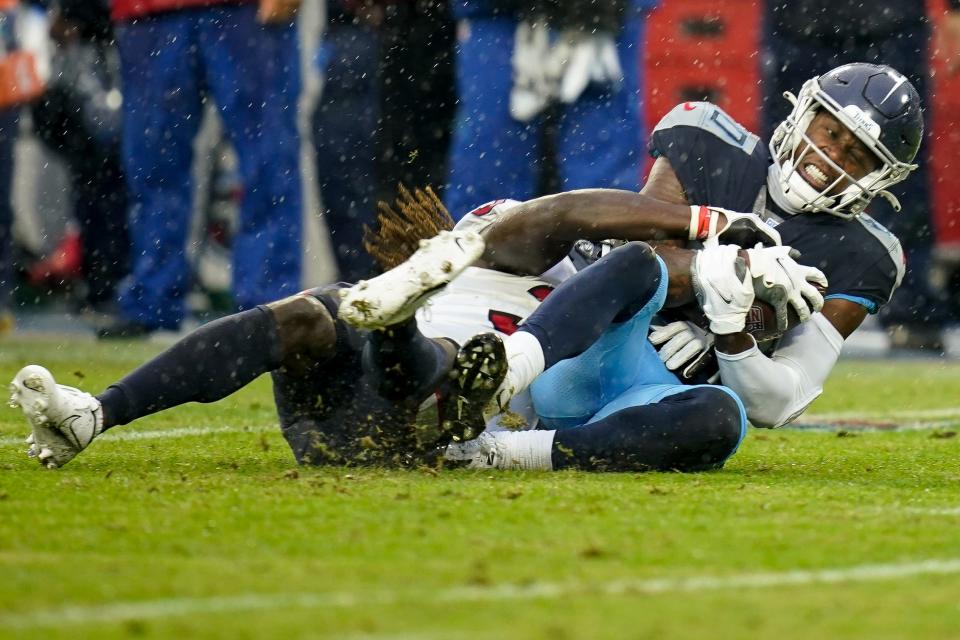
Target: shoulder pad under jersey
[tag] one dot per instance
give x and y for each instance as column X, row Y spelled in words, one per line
column 717, row 161
column 484, row 215
column 708, row 117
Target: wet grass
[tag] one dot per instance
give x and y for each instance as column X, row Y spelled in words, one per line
column 220, row 535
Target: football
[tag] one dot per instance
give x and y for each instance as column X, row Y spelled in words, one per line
column 762, row 322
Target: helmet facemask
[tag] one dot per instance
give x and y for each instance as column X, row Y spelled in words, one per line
column 790, row 143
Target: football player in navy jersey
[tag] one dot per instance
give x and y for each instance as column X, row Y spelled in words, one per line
column 853, row 132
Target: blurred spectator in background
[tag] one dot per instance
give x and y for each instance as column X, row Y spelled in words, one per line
column 24, row 68
column 385, row 113
column 344, row 129
column 803, row 37
column 524, row 64
column 79, row 118
column 244, row 56
column 419, row 99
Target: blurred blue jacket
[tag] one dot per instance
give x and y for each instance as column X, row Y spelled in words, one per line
column 508, row 8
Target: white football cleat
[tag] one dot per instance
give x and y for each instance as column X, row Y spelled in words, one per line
column 64, row 420
column 527, row 449
column 395, row 295
column 483, row 452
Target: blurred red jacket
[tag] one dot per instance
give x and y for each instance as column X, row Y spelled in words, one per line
column 130, row 9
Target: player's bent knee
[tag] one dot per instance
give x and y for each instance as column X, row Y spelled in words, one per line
column 637, row 253
column 306, row 328
column 722, row 418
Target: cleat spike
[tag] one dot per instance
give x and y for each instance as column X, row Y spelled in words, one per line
column 480, row 367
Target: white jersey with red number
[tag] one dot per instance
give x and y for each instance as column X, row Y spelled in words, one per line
column 481, row 300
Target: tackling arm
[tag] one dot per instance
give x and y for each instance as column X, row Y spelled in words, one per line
column 775, row 390
column 535, row 235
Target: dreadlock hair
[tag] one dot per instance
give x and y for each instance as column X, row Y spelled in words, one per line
column 414, row 216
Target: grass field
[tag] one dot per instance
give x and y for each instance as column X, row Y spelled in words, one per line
column 196, row 523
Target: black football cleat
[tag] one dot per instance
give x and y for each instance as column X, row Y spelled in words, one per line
column 476, row 374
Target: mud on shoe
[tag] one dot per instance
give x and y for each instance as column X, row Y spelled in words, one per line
column 396, row 294
column 64, row 419
column 483, row 452
column 475, row 376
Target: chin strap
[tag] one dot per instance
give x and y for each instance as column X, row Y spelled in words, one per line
column 892, row 199
column 776, row 191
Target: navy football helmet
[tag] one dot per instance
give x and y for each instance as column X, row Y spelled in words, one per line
column 880, row 107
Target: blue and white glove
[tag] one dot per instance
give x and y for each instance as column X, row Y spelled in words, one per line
column 584, row 59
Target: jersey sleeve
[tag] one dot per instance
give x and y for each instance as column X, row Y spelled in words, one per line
column 878, row 276
column 718, row 162
column 488, row 213
column 485, row 215
column 862, row 260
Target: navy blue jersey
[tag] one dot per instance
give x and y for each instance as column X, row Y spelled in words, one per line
column 718, row 162
column 862, row 260
column 721, row 164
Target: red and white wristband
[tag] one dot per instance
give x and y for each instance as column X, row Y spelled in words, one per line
column 703, row 222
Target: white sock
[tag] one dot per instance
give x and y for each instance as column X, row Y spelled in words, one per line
column 524, row 363
column 525, row 449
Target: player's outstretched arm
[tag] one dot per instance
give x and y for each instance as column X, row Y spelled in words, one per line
column 537, row 234
column 775, row 390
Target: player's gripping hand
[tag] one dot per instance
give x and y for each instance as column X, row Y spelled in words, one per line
column 779, row 280
column 682, row 346
column 722, row 284
column 731, row 227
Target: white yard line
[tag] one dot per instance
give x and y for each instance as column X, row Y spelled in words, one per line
column 244, row 603
column 155, row 434
column 919, row 414
column 932, row 511
column 923, row 419
column 812, row 424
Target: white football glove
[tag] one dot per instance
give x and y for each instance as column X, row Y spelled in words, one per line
column 722, row 284
column 682, row 346
column 583, row 58
column 534, row 81
column 743, row 229
column 781, row 281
